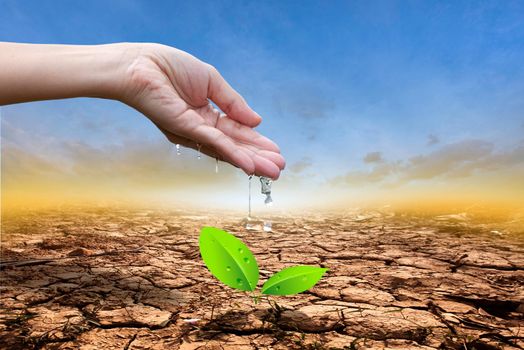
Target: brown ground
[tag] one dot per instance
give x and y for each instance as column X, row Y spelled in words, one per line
column 127, row 279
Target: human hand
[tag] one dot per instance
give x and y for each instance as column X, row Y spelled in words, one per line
column 174, row 89
column 171, row 87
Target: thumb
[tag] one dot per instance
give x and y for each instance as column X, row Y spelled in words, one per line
column 230, row 101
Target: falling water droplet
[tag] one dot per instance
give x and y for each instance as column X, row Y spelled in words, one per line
column 249, row 200
column 216, row 165
column 266, row 189
column 177, row 146
column 199, row 155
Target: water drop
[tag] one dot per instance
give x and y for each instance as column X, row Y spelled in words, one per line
column 177, row 146
column 240, row 250
column 266, row 189
column 239, row 281
column 278, row 287
column 304, row 279
column 199, row 146
column 246, row 260
column 216, row 165
column 249, row 199
column 228, row 268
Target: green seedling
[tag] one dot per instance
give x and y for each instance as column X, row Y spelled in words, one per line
column 233, row 264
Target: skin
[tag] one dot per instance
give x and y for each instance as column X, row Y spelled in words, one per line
column 169, row 86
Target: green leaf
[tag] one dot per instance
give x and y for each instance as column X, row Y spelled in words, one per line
column 293, row 280
column 228, row 259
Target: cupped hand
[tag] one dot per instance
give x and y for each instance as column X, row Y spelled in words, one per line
column 174, row 89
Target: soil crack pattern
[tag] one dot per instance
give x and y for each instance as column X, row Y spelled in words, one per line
column 96, row 278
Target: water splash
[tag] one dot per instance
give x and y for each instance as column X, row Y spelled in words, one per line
column 266, row 189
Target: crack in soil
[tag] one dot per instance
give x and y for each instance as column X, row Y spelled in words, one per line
column 395, row 281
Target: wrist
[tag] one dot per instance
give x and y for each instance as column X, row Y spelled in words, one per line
column 110, row 65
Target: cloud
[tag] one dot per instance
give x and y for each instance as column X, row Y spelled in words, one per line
column 447, row 159
column 509, row 160
column 301, row 165
column 18, row 164
column 136, row 172
column 377, row 174
column 432, row 140
column 306, row 102
column 373, row 157
column 455, row 160
column 145, row 165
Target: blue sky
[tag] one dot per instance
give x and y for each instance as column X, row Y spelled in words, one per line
column 334, row 81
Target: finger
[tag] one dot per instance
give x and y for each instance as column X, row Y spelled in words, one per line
column 230, row 101
column 265, row 167
column 215, row 143
column 216, row 139
column 191, row 144
column 276, row 158
column 245, row 134
column 262, row 168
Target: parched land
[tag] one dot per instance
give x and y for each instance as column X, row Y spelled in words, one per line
column 130, row 279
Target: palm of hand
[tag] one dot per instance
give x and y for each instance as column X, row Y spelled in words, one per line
column 173, row 89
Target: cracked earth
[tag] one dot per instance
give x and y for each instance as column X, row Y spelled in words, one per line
column 130, row 279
